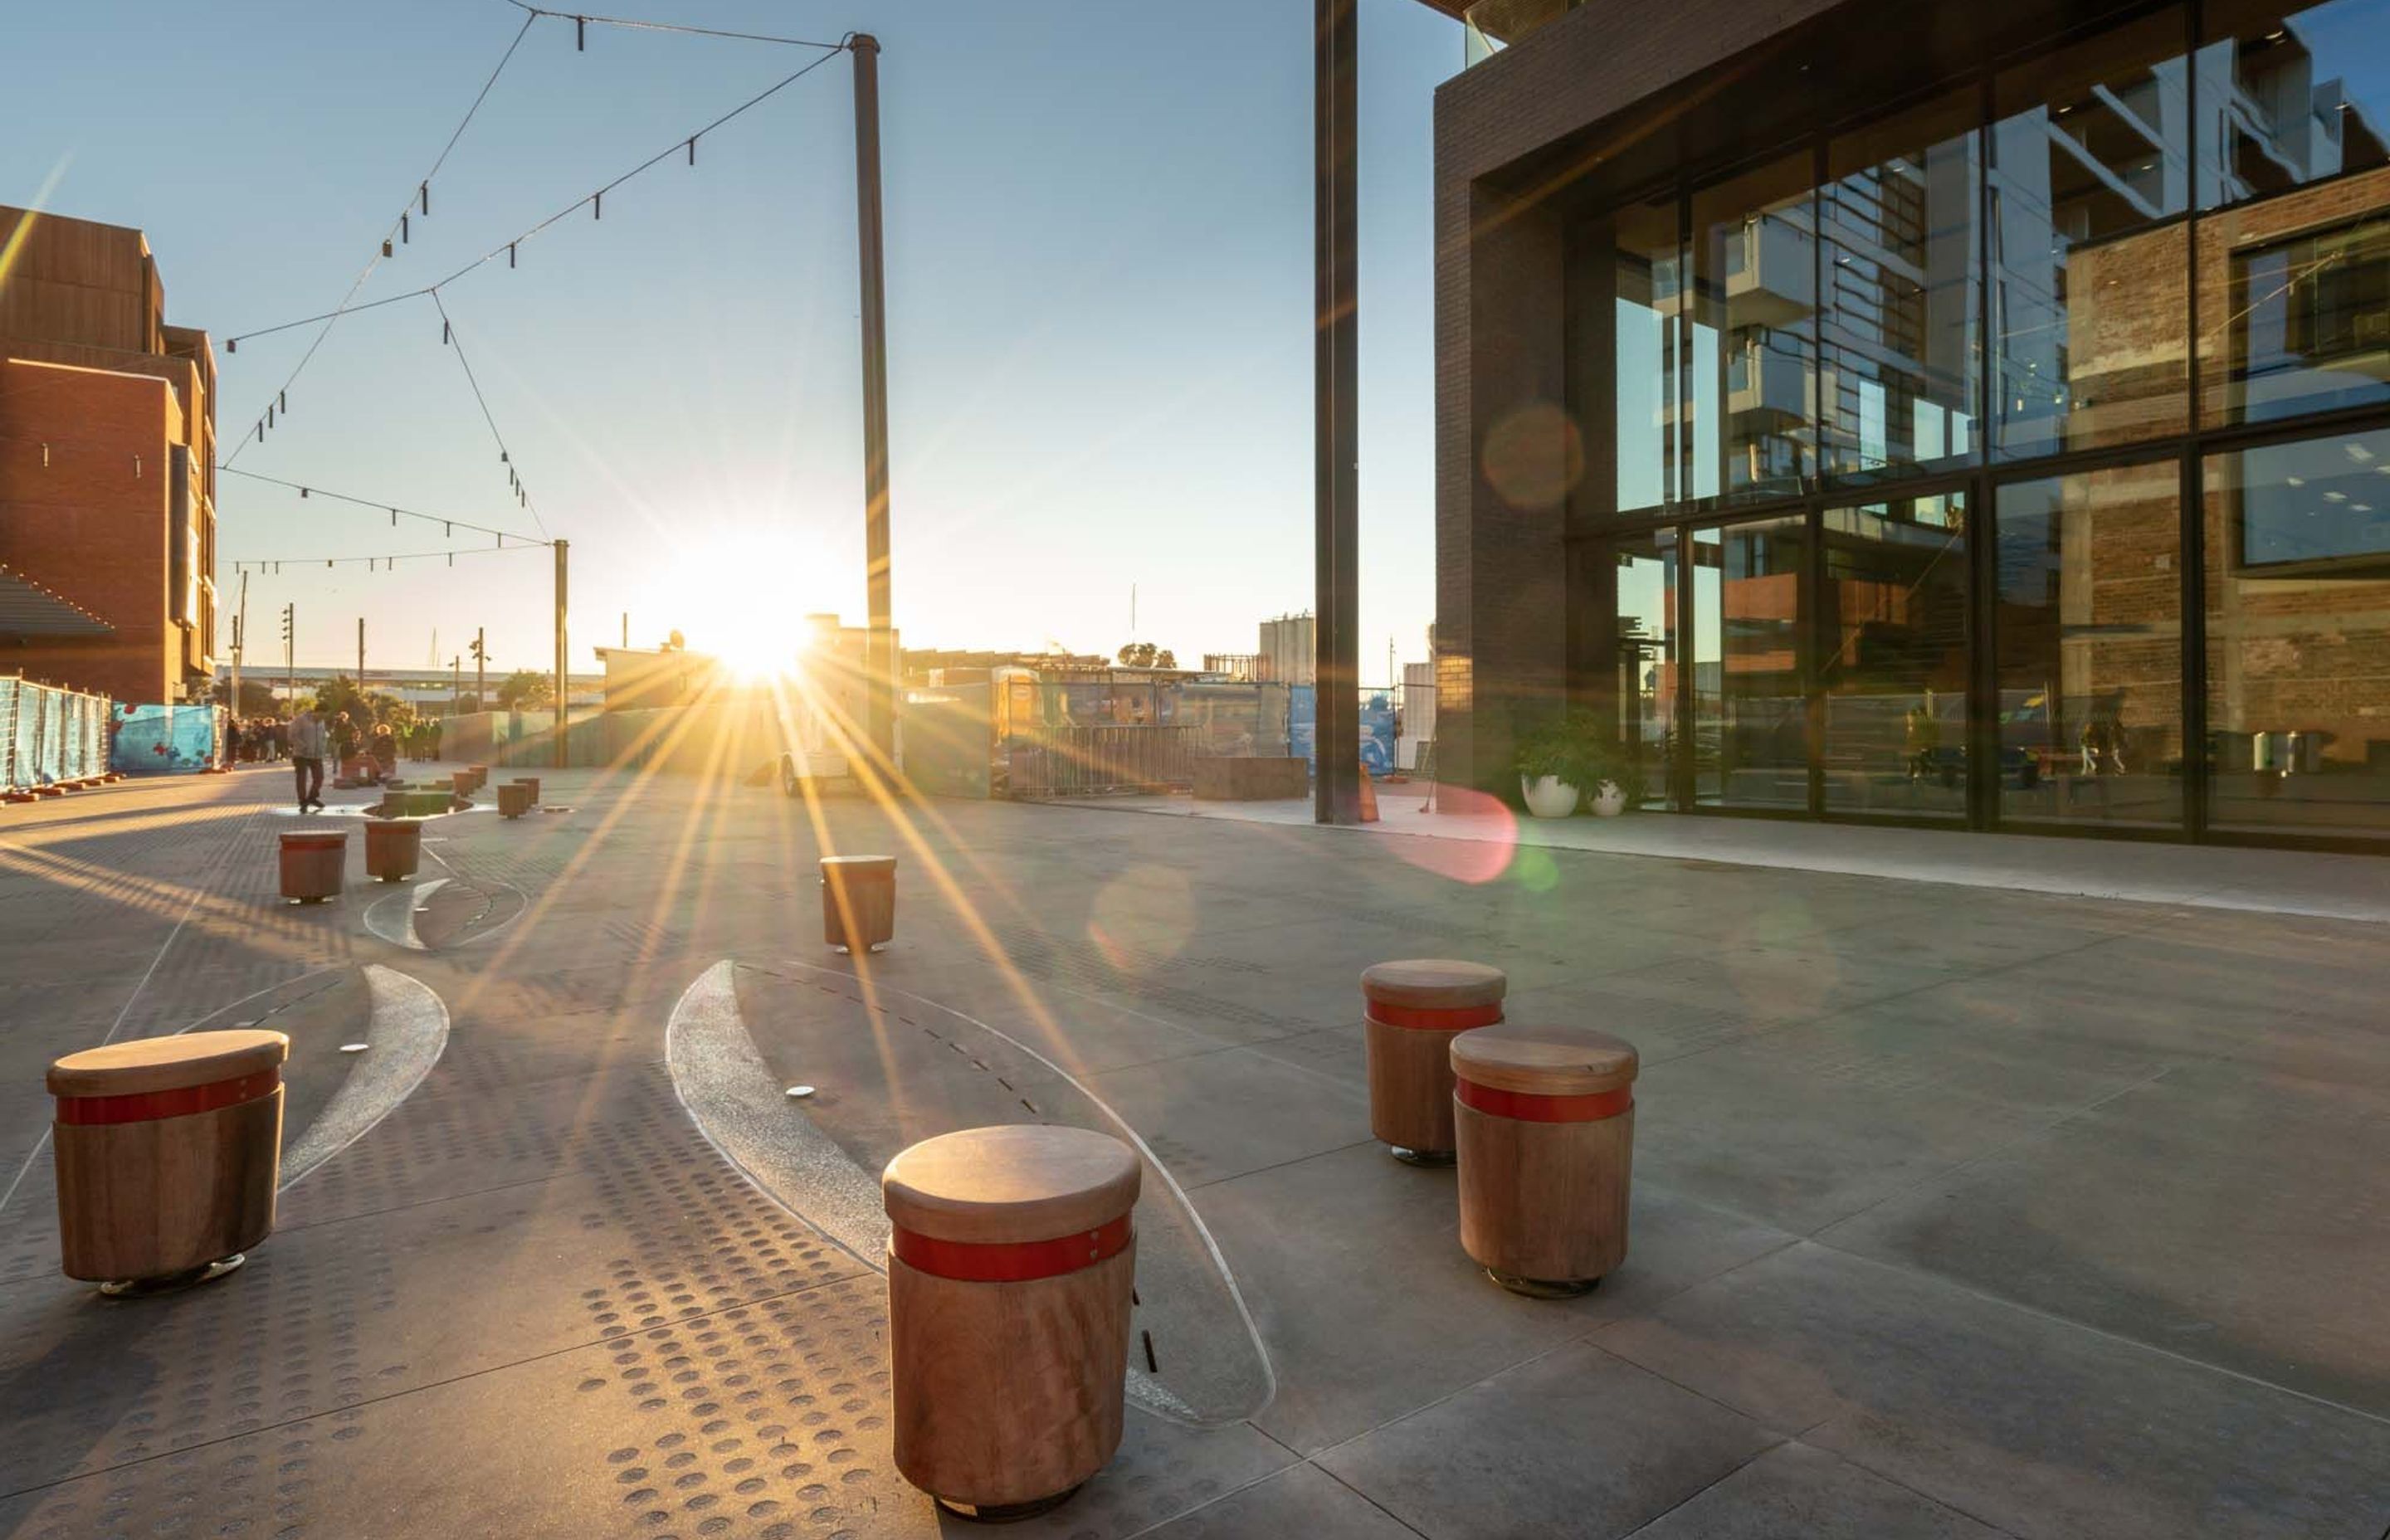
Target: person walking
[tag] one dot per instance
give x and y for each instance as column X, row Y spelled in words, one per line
column 307, row 744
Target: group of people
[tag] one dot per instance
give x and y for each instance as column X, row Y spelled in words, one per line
column 311, row 737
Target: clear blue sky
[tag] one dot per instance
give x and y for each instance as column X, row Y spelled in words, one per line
column 1098, row 229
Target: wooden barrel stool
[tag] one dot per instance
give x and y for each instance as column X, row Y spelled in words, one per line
column 1545, row 1125
column 461, row 783
column 514, row 800
column 313, row 862
column 858, row 902
column 169, row 1149
column 480, row 776
column 1011, row 1260
column 393, row 848
column 532, row 781
column 1411, row 1010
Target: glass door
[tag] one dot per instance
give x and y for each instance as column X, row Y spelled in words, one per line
column 1749, row 742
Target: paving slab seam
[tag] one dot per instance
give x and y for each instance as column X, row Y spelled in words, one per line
column 1879, row 1001
column 2025, row 1137
column 2245, row 1378
column 1282, row 1166
column 185, row 1450
column 293, row 1228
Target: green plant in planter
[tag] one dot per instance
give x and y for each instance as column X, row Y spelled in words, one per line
column 1581, row 754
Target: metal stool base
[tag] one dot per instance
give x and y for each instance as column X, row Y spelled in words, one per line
column 1421, row 1157
column 1008, row 1513
column 172, row 1283
column 1544, row 1289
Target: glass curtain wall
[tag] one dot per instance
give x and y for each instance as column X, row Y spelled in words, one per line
column 1755, row 336
column 2299, row 635
column 1892, row 656
column 1630, row 672
column 1750, row 727
column 2090, row 154
column 2029, row 447
column 2087, row 640
column 1900, row 355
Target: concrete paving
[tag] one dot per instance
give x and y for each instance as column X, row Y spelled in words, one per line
column 1972, row 1197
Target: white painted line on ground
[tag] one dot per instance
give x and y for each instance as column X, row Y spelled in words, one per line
column 199, row 890
column 408, row 1032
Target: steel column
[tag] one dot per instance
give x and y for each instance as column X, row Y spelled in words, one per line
column 1336, row 421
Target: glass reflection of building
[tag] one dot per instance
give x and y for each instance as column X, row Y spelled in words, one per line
column 2020, row 459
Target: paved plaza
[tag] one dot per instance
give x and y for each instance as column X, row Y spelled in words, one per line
column 1959, row 1211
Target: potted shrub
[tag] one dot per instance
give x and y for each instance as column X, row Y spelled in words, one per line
column 1568, row 758
column 1556, row 762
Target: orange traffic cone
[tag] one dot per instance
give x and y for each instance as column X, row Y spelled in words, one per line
column 1369, row 798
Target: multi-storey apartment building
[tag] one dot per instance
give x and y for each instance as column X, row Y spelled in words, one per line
column 107, row 463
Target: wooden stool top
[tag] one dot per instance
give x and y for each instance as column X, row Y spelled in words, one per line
column 851, row 865
column 1433, row 984
column 1544, row 1060
column 167, row 1064
column 1011, row 1183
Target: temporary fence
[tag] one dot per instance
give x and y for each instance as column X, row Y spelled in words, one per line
column 167, row 740
column 49, row 736
column 1103, row 759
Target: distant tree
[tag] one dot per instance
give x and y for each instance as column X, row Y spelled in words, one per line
column 256, row 699
column 1146, row 655
column 525, row 691
column 340, row 693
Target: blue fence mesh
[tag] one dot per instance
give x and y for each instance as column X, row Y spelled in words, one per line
column 155, row 740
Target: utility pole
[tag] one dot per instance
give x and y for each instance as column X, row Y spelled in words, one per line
column 626, row 628
column 563, row 709
column 361, row 656
column 290, row 652
column 879, row 654
column 481, row 670
column 455, row 683
column 240, row 639
column 1336, row 423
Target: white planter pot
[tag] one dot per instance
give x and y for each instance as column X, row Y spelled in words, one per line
column 1610, row 801
column 1549, row 796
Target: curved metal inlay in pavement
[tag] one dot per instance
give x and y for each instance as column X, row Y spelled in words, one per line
column 441, row 912
column 897, row 1068
column 406, row 1033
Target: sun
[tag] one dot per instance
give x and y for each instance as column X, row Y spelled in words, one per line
column 741, row 600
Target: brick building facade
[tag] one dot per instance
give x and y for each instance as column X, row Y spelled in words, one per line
column 107, row 459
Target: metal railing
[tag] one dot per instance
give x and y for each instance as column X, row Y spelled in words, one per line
column 1103, row 759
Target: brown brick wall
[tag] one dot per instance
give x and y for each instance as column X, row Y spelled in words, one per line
column 90, row 524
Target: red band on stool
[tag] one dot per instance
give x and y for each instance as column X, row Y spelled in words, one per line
column 150, row 1106
column 314, row 842
column 1008, row 1260
column 1526, row 1106
column 1423, row 1018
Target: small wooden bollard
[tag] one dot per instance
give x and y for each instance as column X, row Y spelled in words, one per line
column 1411, row 1011
column 312, row 865
column 461, row 783
column 514, row 800
column 1011, row 1258
column 532, row 781
column 1545, row 1125
column 168, row 1150
column 480, row 776
column 858, row 902
column 393, row 848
